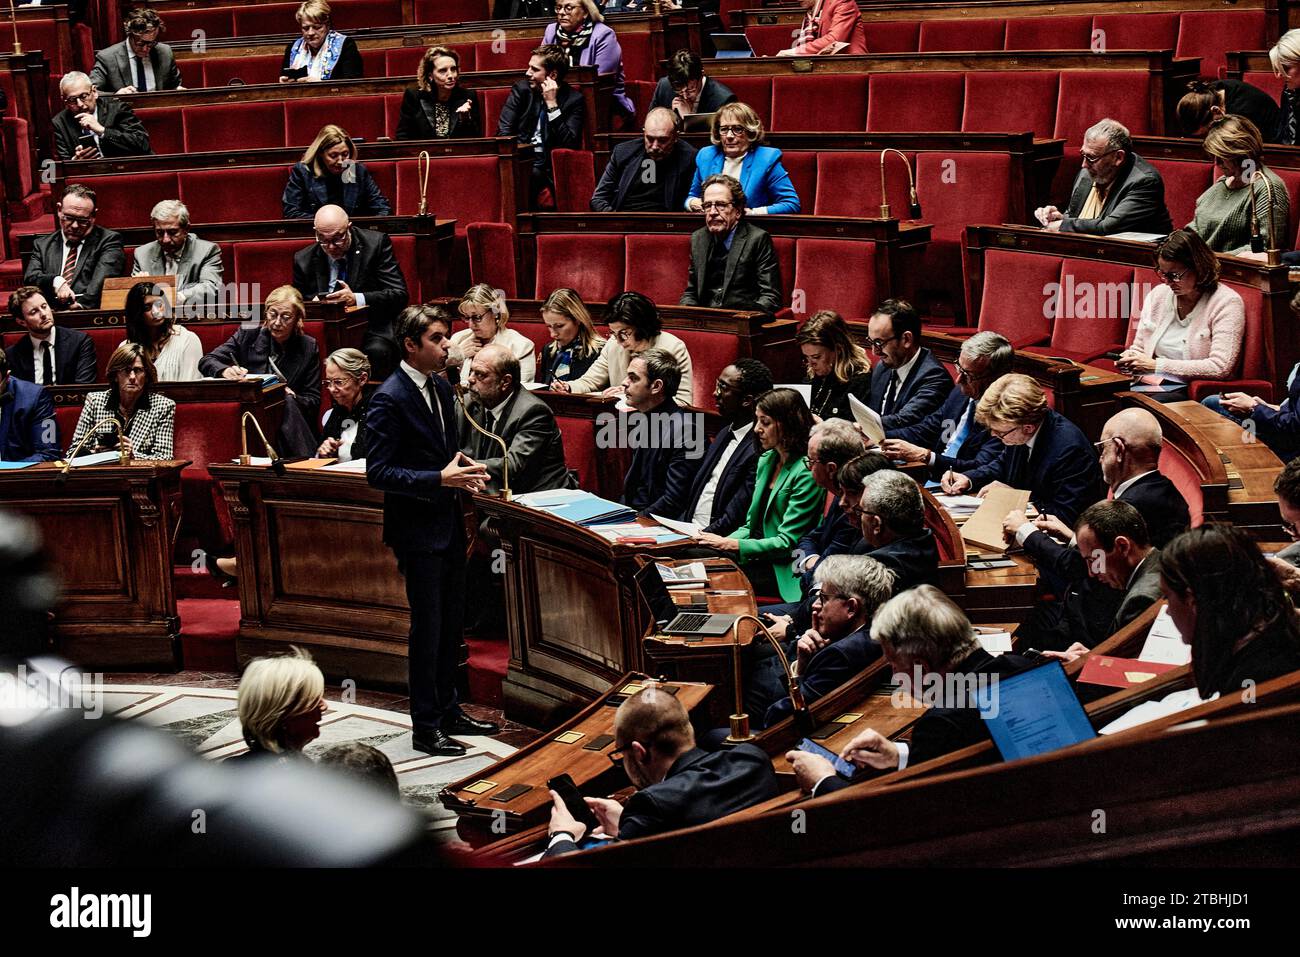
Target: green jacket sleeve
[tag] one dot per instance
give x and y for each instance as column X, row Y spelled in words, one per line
column 797, row 508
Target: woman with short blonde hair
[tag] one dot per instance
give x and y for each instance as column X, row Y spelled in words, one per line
column 486, row 313
column 321, row 53
column 320, row 179
column 737, row 132
column 281, row 701
column 343, row 427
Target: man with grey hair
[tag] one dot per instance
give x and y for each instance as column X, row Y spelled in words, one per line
column 196, row 263
column 891, row 515
column 949, row 437
column 1116, row 190
column 87, row 128
column 847, row 591
column 733, row 262
column 929, row 641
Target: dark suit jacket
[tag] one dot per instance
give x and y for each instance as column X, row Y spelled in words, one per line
column 1062, row 473
column 834, row 535
column 415, row 122
column 1271, row 654
column 348, row 67
column 578, row 366
column 74, row 358
column 933, row 432
column 372, row 271
column 124, row 134
column 1161, row 506
column 520, row 112
column 914, row 561
column 1143, row 591
column 715, row 96
column 102, row 256
column 827, row 670
column 925, row 390
column 626, row 163
column 1279, row 428
column 332, row 427
column 1136, row 202
column 753, row 276
column 735, row 487
column 112, row 69
column 253, row 348
column 701, row 786
column 658, row 477
column 527, row 424
column 26, row 412
column 408, row 447
column 306, row 192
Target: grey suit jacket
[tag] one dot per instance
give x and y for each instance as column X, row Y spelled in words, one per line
column 102, row 256
column 1136, row 203
column 198, row 268
column 112, row 69
column 753, row 275
column 526, row 423
column 1143, row 591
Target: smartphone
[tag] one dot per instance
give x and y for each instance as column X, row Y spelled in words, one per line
column 845, row 769
column 986, row 564
column 563, row 785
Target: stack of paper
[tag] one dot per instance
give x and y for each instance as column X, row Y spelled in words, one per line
column 613, row 533
column 1164, row 645
column 866, row 417
column 692, row 573
column 995, row 642
column 983, row 530
column 959, row 506
column 689, row 529
column 356, row 465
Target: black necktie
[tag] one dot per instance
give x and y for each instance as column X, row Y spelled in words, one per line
column 434, row 401
column 47, row 364
column 140, row 84
column 890, row 394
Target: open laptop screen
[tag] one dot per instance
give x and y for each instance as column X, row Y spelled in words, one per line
column 1034, row 712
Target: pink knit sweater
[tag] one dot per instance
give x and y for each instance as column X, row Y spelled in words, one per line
column 1214, row 336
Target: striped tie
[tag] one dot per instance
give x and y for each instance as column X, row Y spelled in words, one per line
column 70, row 263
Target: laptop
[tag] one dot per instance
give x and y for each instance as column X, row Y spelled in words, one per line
column 730, row 46
column 1034, row 712
column 667, row 618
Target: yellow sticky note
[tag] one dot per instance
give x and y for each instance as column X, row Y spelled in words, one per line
column 847, row 718
column 479, row 787
column 569, row 737
column 1138, row 676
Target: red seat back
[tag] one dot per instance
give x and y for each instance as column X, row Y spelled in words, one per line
column 1184, row 182
column 492, row 101
column 802, row 167
column 835, row 274
column 894, row 36
column 268, row 263
column 711, row 352
column 792, row 94
column 361, row 116
column 1014, row 301
column 214, row 21
column 65, row 423
column 756, row 93
column 404, row 61
column 1091, row 311
column 1135, row 31
column 638, row 56
column 1088, row 95
column 1256, row 358
column 1049, row 33
column 591, row 263
column 492, row 256
column 219, row 71
column 260, row 125
column 848, row 184
column 580, row 453
column 657, row 265
column 941, row 36
column 768, row 39
column 464, row 188
column 915, row 102
column 452, row 11
column 1175, row 467
column 959, row 189
column 505, row 54
column 575, row 179
column 1291, row 177
column 122, row 202
column 166, row 130
column 988, row 91
column 418, row 286
column 234, row 195
column 1207, row 35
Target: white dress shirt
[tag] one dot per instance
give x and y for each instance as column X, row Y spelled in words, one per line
column 150, row 82
column 38, row 363
column 704, row 510
column 430, row 395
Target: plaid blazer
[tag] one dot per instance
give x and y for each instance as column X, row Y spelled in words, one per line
column 150, row 429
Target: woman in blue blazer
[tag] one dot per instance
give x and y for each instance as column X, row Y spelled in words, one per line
column 787, row 500
column 323, row 178
column 737, row 133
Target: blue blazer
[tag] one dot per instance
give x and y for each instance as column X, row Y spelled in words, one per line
column 407, row 449
column 926, row 388
column 1062, row 473
column 27, row 425
column 735, row 486
column 934, row 431
column 305, row 193
column 765, row 180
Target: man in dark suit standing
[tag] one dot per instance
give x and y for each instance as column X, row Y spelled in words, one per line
column 908, row 383
column 503, row 407
column 652, row 174
column 356, row 267
column 70, row 265
column 664, row 460
column 48, row 354
column 718, row 498
column 140, row 63
column 686, row 90
column 678, row 785
column 413, row 457
column 1116, row 190
column 544, row 112
column 733, row 262
column 88, row 128
column 28, row 429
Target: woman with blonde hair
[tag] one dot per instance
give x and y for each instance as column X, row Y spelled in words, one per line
column 281, row 702
column 737, row 133
column 438, row 107
column 1285, row 57
column 837, row 366
column 321, row 53
column 486, row 313
column 329, row 175
column 343, row 429
column 1238, row 202
column 574, row 343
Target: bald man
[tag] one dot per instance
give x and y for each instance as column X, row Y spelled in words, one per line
column 357, row 268
column 649, row 175
column 678, row 785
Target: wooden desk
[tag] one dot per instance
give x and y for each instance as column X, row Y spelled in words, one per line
column 108, row 532
column 566, row 749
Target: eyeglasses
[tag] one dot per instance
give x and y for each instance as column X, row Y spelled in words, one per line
column 334, row 383
column 1093, row 160
column 854, row 511
column 809, row 461
column 76, row 220
column 618, row 754
column 142, row 42
column 732, row 130
column 716, row 205
column 567, row 7
column 336, row 240
column 1002, row 433
column 624, row 335
column 275, row 317
column 722, row 386
column 879, row 344
column 1171, row 276
column 1290, row 528
column 79, row 98
column 1101, row 446
column 477, row 320
column 824, row 598
column 964, row 373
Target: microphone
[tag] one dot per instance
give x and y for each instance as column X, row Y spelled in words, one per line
column 914, row 204
column 123, row 453
column 1256, row 238
column 740, row 731
column 504, row 494
column 423, row 163
column 277, row 463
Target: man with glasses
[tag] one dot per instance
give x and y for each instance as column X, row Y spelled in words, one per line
column 71, row 263
column 1115, row 191
column 140, row 63
column 908, row 383
column 88, row 129
column 678, row 785
column 355, row 267
column 686, row 90
column 649, row 175
column 733, row 262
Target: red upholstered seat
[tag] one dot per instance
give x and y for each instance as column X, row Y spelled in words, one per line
column 1088, row 95
column 591, row 263
column 1016, row 288
column 1175, row 467
column 1136, row 31
column 836, row 274
column 266, row 262
column 711, row 352
column 464, row 188
column 232, row 195
column 848, row 184
column 419, row 287
column 166, row 130
column 657, row 265
column 219, row 71
column 260, row 125
column 579, row 440
column 642, row 94
column 638, row 56
column 39, row 35
column 452, row 11
column 105, row 341
column 536, row 332
column 384, row 173
column 767, row 39
column 65, row 423
column 988, row 92
column 215, row 22
column 213, row 334
column 1268, row 82
column 802, row 167
column 361, row 116
column 1255, row 372
column 938, row 36
column 1291, row 177
column 575, row 179
column 492, row 256
column 785, row 250
column 1090, row 314
column 125, row 201
column 1049, row 33
column 356, row 14
column 915, row 102
column 1207, row 35
column 505, row 54
column 404, row 61
column 1184, row 182
column 793, row 97
column 756, row 93
column 492, row 101
column 894, row 36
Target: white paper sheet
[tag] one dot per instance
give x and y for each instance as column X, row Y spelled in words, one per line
column 868, row 419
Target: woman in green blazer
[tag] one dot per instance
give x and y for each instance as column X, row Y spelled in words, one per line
column 787, row 501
